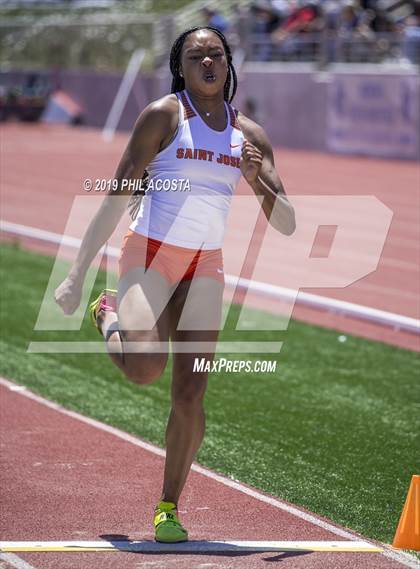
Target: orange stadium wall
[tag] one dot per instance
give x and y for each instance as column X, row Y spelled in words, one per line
column 362, row 113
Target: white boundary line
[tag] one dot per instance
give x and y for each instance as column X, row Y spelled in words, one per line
column 122, row 95
column 404, row 558
column 195, row 546
column 15, row 561
column 358, row 311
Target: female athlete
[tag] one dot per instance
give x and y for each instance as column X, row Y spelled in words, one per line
column 171, row 268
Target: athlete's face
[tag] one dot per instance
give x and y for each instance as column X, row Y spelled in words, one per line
column 203, row 63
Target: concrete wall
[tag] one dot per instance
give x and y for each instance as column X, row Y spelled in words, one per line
column 95, row 93
column 357, row 112
column 290, row 106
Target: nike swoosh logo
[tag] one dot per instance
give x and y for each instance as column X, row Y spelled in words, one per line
column 234, row 145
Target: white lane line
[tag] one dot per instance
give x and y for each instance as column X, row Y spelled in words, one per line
column 404, row 558
column 359, row 311
column 15, row 561
column 199, row 546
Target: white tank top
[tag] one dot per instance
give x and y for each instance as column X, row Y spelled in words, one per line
column 192, row 181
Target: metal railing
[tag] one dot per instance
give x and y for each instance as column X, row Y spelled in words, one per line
column 105, row 41
column 326, row 49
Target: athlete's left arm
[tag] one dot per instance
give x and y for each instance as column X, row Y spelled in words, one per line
column 258, row 169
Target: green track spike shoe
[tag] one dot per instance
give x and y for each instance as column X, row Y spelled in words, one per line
column 168, row 528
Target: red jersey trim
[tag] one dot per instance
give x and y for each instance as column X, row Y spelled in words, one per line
column 188, row 110
column 233, row 113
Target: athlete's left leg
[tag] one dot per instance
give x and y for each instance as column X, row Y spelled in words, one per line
column 195, row 315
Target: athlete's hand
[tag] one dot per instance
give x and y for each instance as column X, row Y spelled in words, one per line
column 251, row 161
column 69, row 294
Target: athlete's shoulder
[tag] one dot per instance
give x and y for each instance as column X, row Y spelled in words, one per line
column 253, row 132
column 161, row 109
column 158, row 118
column 166, row 104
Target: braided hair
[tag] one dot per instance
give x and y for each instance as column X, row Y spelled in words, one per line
column 178, row 83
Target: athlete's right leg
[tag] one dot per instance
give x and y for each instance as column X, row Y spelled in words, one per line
column 137, row 334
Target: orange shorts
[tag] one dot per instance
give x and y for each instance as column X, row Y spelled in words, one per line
column 174, row 263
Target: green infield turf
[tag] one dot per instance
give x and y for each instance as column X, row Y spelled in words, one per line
column 335, row 429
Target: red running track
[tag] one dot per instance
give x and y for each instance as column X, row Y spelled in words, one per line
column 68, row 479
column 61, row 488
column 43, row 168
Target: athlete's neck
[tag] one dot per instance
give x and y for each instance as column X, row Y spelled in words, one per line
column 207, row 105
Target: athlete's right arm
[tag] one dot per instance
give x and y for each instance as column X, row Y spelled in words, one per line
column 151, row 128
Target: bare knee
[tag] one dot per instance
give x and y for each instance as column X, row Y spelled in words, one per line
column 144, row 369
column 188, row 396
column 145, row 363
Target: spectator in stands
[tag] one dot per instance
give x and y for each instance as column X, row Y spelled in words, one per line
column 411, row 35
column 305, row 18
column 354, row 23
column 341, row 30
column 352, row 37
column 215, row 19
column 302, row 19
column 264, row 20
column 348, row 21
column 282, row 8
